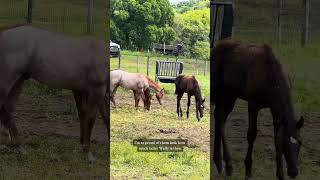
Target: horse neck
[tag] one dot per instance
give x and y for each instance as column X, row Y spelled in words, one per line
column 283, row 107
column 197, row 93
column 153, row 84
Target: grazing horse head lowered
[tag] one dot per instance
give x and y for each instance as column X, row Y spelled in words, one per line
column 140, row 84
column 253, row 73
column 57, row 60
column 189, row 85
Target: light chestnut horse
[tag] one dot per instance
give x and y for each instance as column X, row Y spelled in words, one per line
column 60, row 61
column 140, row 85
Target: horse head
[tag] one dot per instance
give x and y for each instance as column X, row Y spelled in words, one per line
column 201, row 108
column 291, row 147
column 160, row 96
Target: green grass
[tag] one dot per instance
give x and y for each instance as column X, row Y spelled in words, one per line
column 51, row 158
column 127, row 124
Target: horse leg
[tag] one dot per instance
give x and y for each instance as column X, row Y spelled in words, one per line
column 188, row 105
column 223, row 108
column 104, row 114
column 136, row 99
column 79, row 103
column 229, row 105
column 197, row 112
column 94, row 100
column 251, row 137
column 147, row 102
column 7, row 109
column 278, row 142
column 179, row 111
column 113, row 92
column 140, row 94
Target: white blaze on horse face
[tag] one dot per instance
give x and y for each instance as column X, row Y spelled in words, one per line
column 293, row 140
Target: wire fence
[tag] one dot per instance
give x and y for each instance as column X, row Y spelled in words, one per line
column 70, row 16
column 146, row 64
column 258, row 21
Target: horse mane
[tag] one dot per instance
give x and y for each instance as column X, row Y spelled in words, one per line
column 197, row 92
column 153, row 83
column 281, row 82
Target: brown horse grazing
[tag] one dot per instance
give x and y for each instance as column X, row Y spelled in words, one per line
column 75, row 63
column 140, row 85
column 253, row 73
column 189, row 85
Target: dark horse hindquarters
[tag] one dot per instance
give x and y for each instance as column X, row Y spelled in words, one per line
column 253, row 73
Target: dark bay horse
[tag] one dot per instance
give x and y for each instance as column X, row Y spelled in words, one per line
column 75, row 63
column 189, row 85
column 253, row 73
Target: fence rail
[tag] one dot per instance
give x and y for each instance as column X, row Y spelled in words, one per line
column 147, row 64
column 294, row 22
column 76, row 17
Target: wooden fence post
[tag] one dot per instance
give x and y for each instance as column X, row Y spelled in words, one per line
column 148, row 65
column 305, row 29
column 279, row 20
column 30, row 11
column 90, row 17
column 119, row 60
column 197, row 65
column 138, row 63
column 205, row 68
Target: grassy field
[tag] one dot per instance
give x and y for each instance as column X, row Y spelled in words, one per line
column 128, row 124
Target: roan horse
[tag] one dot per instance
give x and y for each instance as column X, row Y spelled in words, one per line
column 75, row 63
column 189, row 85
column 253, row 73
column 140, row 85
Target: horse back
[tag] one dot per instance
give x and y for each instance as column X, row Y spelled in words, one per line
column 246, row 70
column 54, row 58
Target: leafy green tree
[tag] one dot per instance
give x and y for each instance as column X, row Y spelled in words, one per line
column 139, row 23
column 193, row 27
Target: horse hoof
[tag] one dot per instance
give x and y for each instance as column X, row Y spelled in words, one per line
column 91, row 158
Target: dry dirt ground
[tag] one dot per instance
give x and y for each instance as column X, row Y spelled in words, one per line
column 47, row 115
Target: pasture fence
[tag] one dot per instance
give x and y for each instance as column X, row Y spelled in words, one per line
column 146, row 64
column 75, row 17
column 293, row 23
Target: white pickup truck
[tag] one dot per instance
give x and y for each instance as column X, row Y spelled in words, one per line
column 114, row 49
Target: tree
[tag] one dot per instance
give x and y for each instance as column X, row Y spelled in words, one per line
column 139, row 23
column 193, row 27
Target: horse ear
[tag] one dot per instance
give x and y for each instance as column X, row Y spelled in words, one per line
column 203, row 100
column 162, row 90
column 300, row 123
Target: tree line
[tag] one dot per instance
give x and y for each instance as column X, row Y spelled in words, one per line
column 137, row 24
